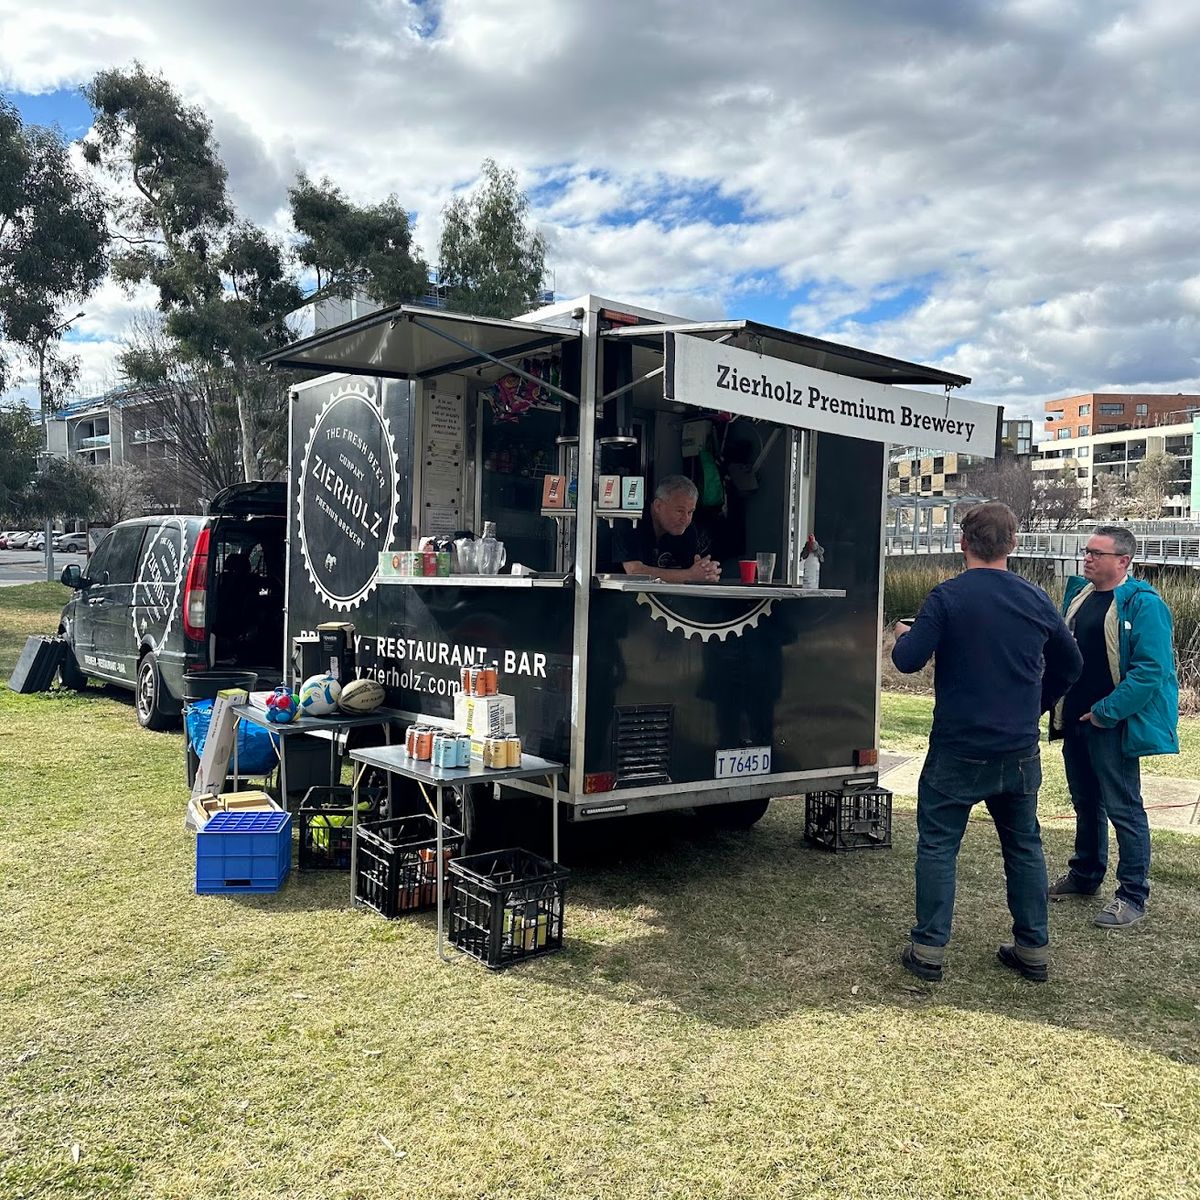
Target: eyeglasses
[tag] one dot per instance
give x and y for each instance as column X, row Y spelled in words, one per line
column 1090, row 553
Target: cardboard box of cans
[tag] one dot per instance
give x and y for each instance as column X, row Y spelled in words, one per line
column 485, row 716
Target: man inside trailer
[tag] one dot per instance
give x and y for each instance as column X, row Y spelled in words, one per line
column 668, row 546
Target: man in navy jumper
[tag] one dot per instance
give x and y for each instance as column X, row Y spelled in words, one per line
column 1002, row 657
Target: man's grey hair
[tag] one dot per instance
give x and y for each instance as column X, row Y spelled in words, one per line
column 676, row 483
column 1123, row 540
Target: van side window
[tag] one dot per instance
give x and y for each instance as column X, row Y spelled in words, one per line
column 98, row 563
column 123, row 554
column 161, row 565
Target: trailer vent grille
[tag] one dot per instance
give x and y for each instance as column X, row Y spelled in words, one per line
column 642, row 744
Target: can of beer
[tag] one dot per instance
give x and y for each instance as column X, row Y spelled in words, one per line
column 476, row 677
column 495, row 754
column 429, row 563
column 464, row 750
column 410, row 741
column 464, row 680
column 513, row 748
column 424, row 744
column 491, row 680
column 445, row 750
column 443, row 562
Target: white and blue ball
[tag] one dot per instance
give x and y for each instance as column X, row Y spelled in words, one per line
column 319, row 696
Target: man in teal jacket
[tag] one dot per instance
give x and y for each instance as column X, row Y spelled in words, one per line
column 1124, row 705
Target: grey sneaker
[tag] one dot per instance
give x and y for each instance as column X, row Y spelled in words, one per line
column 1118, row 914
column 1068, row 885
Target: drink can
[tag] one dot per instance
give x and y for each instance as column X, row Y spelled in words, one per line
column 410, row 741
column 424, row 744
column 491, row 680
column 429, row 563
column 445, row 750
column 495, row 754
column 464, row 750
column 513, row 746
column 443, row 562
column 476, row 682
column 464, row 680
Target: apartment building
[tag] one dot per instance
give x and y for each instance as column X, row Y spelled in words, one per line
column 920, row 471
column 1121, row 452
column 118, row 428
column 1110, row 412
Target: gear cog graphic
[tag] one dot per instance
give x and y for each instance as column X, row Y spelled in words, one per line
column 154, row 598
column 359, row 394
column 705, row 630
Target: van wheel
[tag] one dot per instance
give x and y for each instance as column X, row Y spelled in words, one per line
column 741, row 814
column 68, row 668
column 149, row 696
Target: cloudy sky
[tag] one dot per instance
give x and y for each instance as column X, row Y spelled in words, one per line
column 1005, row 189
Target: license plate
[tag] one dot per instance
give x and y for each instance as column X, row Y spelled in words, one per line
column 746, row 760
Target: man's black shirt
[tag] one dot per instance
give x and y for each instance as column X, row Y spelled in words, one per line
column 1096, row 680
column 641, row 545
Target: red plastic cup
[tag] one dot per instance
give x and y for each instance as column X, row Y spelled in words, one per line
column 749, row 569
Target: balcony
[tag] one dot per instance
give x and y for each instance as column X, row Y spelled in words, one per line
column 142, row 437
column 99, row 441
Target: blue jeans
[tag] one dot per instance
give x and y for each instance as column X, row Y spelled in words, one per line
column 950, row 786
column 1106, row 785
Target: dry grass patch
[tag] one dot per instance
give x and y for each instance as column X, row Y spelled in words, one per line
column 728, row 1019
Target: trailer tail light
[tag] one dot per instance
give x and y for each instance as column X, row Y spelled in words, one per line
column 195, row 591
column 600, row 781
column 866, row 758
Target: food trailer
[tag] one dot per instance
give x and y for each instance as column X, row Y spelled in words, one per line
column 718, row 696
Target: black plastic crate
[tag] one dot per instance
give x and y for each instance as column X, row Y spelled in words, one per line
column 326, row 825
column 396, row 870
column 851, row 820
column 507, row 906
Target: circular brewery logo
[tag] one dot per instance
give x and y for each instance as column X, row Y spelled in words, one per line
column 156, row 590
column 695, row 619
column 348, row 492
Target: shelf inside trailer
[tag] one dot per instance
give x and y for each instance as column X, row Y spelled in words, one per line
column 717, row 591
column 481, row 581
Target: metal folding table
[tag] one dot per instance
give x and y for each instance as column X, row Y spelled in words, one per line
column 306, row 725
column 395, row 760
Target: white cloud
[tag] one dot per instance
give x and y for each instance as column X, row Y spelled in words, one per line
column 1005, row 190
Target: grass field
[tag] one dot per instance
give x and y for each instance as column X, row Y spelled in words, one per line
column 728, row 1018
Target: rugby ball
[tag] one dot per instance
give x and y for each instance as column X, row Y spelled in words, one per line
column 361, row 696
column 319, row 695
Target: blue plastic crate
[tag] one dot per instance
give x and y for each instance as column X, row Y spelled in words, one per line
column 243, row 852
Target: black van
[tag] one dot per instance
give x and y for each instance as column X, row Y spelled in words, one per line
column 165, row 596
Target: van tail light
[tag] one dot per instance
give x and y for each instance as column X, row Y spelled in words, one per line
column 866, row 758
column 195, row 591
column 599, row 781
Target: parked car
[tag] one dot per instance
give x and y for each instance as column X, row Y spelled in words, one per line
column 162, row 597
column 36, row 541
column 16, row 541
column 8, row 533
column 71, row 543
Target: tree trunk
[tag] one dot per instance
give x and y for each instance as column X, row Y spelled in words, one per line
column 246, row 425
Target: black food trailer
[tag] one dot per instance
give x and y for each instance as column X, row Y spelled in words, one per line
column 656, row 695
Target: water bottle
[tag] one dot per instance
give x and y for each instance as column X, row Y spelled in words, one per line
column 491, row 552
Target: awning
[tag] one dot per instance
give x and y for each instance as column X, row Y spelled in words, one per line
column 410, row 342
column 795, row 347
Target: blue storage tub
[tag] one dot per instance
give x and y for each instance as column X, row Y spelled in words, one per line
column 243, row 852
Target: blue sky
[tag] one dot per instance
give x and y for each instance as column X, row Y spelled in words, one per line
column 943, row 183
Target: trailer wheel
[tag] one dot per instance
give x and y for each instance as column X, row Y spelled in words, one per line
column 741, row 814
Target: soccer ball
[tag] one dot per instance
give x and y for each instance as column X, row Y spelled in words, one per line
column 319, row 696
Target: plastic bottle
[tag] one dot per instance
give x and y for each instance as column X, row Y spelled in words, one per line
column 489, row 550
column 810, row 573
